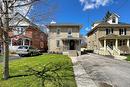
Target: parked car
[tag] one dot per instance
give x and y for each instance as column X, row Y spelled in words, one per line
column 27, row 51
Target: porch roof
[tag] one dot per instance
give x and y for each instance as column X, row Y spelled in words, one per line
column 71, row 38
column 17, row 37
column 113, row 36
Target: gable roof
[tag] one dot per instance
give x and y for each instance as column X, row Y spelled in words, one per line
column 107, row 25
column 109, row 14
column 20, row 20
column 104, row 23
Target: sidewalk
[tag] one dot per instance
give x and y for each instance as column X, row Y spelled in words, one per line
column 81, row 77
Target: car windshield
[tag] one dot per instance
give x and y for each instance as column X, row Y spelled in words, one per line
column 23, row 47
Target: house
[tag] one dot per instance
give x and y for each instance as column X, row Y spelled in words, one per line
column 64, row 38
column 109, row 36
column 24, row 32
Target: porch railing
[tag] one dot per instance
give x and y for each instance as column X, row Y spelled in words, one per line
column 116, row 50
column 110, row 50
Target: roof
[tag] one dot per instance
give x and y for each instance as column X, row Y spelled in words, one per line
column 19, row 18
column 59, row 25
column 109, row 14
column 113, row 36
column 107, row 25
column 17, row 37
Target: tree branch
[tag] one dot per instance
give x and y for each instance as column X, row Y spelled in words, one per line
column 26, row 4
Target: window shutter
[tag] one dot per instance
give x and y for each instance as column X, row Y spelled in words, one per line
column 106, row 31
column 125, row 31
column 119, row 31
column 112, row 30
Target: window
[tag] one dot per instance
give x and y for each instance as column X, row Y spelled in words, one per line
column 109, row 31
column 122, row 31
column 69, row 32
column 58, row 31
column 19, row 30
column 58, row 43
column 122, row 42
column 113, row 19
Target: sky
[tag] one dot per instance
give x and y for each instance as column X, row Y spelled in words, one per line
column 85, row 12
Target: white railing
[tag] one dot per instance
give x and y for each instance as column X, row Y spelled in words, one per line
column 110, row 50
column 116, row 50
column 102, row 51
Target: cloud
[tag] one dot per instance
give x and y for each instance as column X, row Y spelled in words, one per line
column 87, row 29
column 91, row 4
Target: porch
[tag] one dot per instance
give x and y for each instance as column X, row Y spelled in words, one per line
column 115, row 45
column 71, row 46
column 19, row 40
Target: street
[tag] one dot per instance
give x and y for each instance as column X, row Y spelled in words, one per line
column 106, row 72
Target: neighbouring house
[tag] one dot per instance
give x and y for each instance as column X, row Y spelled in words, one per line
column 64, row 38
column 24, row 32
column 109, row 36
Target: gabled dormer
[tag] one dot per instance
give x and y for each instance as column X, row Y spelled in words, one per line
column 111, row 18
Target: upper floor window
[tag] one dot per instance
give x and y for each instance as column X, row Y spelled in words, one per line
column 113, row 19
column 69, row 31
column 109, row 31
column 122, row 31
column 19, row 30
column 58, row 31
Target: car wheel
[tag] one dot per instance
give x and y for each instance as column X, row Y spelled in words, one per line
column 19, row 55
column 29, row 54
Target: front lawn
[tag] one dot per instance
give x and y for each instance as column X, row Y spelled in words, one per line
column 21, row 78
column 128, row 58
column 1, row 59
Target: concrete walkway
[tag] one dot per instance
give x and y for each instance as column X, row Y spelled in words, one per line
column 81, row 77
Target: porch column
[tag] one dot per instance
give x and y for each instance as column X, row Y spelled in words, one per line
column 11, row 43
column 23, row 42
column 105, row 44
column 29, row 42
column 116, row 43
column 128, row 43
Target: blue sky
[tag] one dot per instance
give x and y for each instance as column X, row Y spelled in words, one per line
column 85, row 12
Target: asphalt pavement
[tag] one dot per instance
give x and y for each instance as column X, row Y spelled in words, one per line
column 105, row 71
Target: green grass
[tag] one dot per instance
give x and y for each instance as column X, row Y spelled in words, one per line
column 128, row 58
column 18, row 68
column 1, row 58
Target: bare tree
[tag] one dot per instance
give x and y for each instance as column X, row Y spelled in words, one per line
column 8, row 8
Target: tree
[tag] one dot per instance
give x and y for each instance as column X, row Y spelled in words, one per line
column 8, row 8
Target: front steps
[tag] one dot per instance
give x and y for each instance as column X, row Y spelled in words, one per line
column 73, row 53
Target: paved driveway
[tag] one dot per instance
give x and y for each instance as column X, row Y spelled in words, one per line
column 106, row 72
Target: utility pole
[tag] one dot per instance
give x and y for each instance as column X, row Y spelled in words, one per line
column 6, row 40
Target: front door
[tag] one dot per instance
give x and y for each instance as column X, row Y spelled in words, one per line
column 72, row 45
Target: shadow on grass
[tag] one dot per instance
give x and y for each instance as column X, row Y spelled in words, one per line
column 24, row 75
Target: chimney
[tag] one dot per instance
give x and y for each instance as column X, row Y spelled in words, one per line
column 53, row 22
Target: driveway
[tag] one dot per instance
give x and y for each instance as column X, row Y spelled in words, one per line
column 106, row 72
column 12, row 57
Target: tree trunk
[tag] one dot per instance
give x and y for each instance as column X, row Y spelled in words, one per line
column 6, row 42
column 6, row 57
